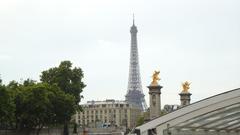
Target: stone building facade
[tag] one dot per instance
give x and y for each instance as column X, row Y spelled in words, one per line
column 108, row 113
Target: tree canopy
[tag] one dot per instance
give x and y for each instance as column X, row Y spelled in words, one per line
column 7, row 107
column 32, row 105
column 68, row 79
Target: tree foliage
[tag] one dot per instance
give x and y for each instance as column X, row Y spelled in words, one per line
column 140, row 120
column 7, row 107
column 35, row 106
column 39, row 105
column 32, row 105
column 68, row 79
column 63, row 106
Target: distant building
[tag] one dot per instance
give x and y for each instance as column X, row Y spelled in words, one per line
column 108, row 113
column 170, row 108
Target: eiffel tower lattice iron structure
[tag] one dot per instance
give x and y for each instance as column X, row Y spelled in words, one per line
column 135, row 94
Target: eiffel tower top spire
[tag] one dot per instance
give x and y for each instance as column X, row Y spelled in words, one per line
column 134, row 93
column 133, row 28
column 133, row 19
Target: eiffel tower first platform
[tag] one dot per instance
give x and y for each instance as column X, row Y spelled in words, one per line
column 134, row 93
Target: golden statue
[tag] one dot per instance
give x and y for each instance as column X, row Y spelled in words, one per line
column 185, row 86
column 155, row 78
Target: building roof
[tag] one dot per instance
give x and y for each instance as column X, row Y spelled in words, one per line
column 219, row 112
column 107, row 101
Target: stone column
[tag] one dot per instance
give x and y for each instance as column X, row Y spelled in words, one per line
column 185, row 98
column 155, row 100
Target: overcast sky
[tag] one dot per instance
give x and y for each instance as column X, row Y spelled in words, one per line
column 193, row 40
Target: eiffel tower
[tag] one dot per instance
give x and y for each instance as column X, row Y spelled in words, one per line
column 134, row 93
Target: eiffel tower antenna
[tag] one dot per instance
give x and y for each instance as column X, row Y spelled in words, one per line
column 133, row 19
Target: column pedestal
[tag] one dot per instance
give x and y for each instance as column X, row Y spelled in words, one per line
column 185, row 98
column 155, row 100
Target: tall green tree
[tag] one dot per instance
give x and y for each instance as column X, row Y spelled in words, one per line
column 35, row 107
column 41, row 104
column 7, row 107
column 16, row 89
column 61, row 101
column 69, row 80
